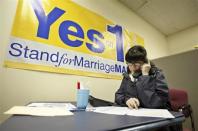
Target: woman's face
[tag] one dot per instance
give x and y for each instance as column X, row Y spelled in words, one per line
column 136, row 66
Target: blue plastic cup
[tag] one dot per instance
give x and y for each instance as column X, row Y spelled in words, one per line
column 82, row 98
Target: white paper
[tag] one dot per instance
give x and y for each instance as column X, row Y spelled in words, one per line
column 112, row 110
column 38, row 111
column 134, row 112
column 67, row 106
column 163, row 113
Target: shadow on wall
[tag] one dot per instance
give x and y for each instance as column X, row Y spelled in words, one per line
column 181, row 71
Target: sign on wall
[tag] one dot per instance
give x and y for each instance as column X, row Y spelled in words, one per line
column 63, row 37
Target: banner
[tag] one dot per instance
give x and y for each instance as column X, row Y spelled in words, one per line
column 63, row 37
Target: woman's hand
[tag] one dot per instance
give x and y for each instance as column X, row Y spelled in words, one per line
column 146, row 68
column 133, row 103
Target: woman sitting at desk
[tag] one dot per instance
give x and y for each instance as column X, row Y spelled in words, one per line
column 143, row 85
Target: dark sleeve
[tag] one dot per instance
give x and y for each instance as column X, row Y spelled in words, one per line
column 122, row 94
column 153, row 91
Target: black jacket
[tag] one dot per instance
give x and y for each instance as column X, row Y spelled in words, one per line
column 151, row 90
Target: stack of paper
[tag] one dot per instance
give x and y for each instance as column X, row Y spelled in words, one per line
column 38, row 111
column 67, row 106
column 134, row 112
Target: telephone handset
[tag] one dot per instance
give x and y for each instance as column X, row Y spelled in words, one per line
column 138, row 73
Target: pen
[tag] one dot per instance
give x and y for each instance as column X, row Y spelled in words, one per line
column 77, row 110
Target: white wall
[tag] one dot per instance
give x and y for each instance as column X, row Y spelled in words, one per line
column 18, row 87
column 183, row 41
column 7, row 12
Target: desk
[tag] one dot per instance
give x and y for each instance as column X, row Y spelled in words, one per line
column 87, row 121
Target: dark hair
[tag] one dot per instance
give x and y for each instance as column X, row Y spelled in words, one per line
column 136, row 53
